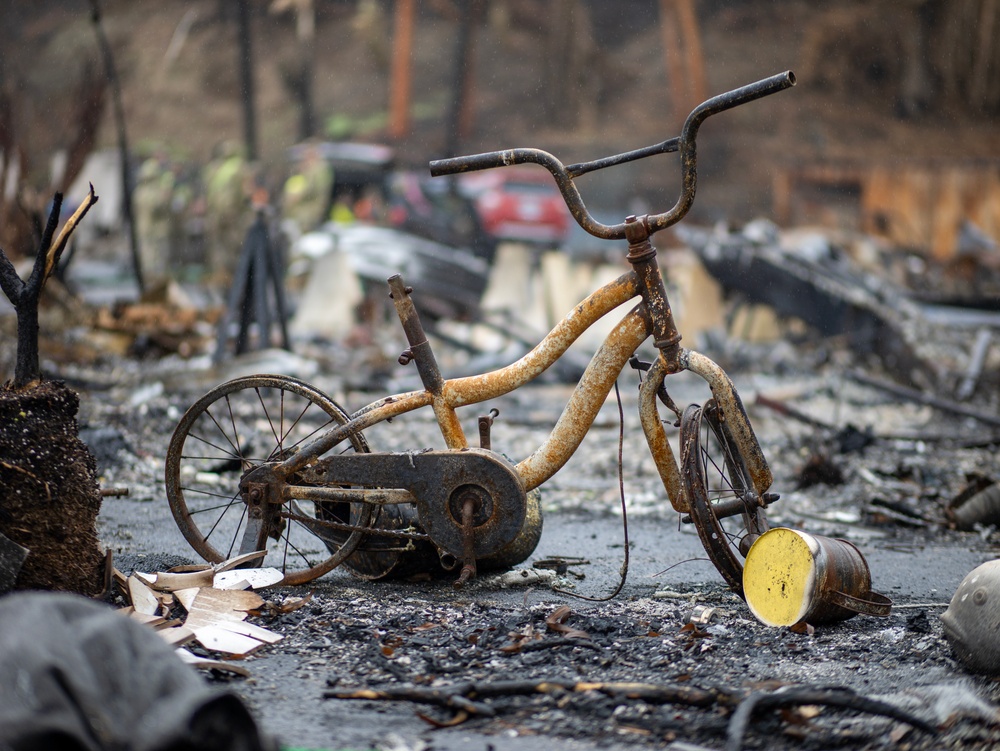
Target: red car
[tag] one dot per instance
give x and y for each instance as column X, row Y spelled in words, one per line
column 519, row 203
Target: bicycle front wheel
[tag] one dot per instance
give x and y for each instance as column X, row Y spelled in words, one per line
column 724, row 505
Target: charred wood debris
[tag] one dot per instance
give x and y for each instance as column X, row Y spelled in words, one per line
column 920, row 331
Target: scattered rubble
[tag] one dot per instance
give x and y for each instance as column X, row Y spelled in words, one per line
column 813, row 277
column 902, row 463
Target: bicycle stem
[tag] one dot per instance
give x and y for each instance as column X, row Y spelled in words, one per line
column 642, row 256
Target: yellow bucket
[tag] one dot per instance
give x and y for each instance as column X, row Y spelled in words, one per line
column 793, row 577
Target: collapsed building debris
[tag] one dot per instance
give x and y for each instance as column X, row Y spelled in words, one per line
column 978, row 508
column 807, row 276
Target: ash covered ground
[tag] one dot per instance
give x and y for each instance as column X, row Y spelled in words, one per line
column 900, row 465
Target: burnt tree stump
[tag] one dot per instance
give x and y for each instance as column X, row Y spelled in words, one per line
column 49, row 494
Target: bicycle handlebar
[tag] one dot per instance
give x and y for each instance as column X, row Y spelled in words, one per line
column 685, row 144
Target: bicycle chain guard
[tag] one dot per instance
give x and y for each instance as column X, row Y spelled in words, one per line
column 441, row 482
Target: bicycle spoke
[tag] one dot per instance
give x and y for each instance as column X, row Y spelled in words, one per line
column 231, row 500
column 290, row 544
column 224, row 434
column 211, row 531
column 236, row 534
column 717, row 477
column 232, row 420
column 226, row 453
column 270, row 422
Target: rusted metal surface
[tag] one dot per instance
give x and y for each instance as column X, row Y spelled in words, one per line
column 830, row 577
column 420, row 352
column 480, row 388
column 376, row 412
column 642, row 256
column 586, row 400
column 734, row 415
column 214, row 438
column 374, row 496
column 486, row 428
column 471, row 503
column 440, row 482
column 656, row 436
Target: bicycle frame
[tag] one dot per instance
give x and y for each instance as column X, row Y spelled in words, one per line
column 445, row 396
column 470, row 503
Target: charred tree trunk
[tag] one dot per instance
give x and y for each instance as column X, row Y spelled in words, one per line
column 111, row 72
column 460, row 116
column 49, row 496
column 246, row 79
column 26, row 294
column 306, row 33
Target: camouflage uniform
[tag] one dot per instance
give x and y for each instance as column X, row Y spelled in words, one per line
column 227, row 210
column 152, row 199
column 306, row 194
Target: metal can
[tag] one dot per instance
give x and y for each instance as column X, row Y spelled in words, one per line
column 792, row 577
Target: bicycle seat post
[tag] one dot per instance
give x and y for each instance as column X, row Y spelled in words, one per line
column 642, row 256
column 420, row 352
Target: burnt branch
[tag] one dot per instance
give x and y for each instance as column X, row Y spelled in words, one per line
column 25, row 295
column 10, row 282
column 468, row 696
column 62, row 240
column 804, row 695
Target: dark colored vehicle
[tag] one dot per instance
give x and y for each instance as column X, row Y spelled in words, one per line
column 366, row 179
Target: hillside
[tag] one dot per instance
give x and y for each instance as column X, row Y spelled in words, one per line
column 178, row 64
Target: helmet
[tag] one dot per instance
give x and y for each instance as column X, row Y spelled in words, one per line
column 972, row 620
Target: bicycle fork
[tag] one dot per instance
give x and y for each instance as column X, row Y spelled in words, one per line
column 673, row 359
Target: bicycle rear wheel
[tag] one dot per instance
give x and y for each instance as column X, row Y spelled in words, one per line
column 235, row 428
column 724, row 505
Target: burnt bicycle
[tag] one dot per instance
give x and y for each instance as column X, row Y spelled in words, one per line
column 269, row 463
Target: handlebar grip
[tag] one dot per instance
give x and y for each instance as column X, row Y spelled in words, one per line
column 743, row 95
column 757, row 90
column 472, row 163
